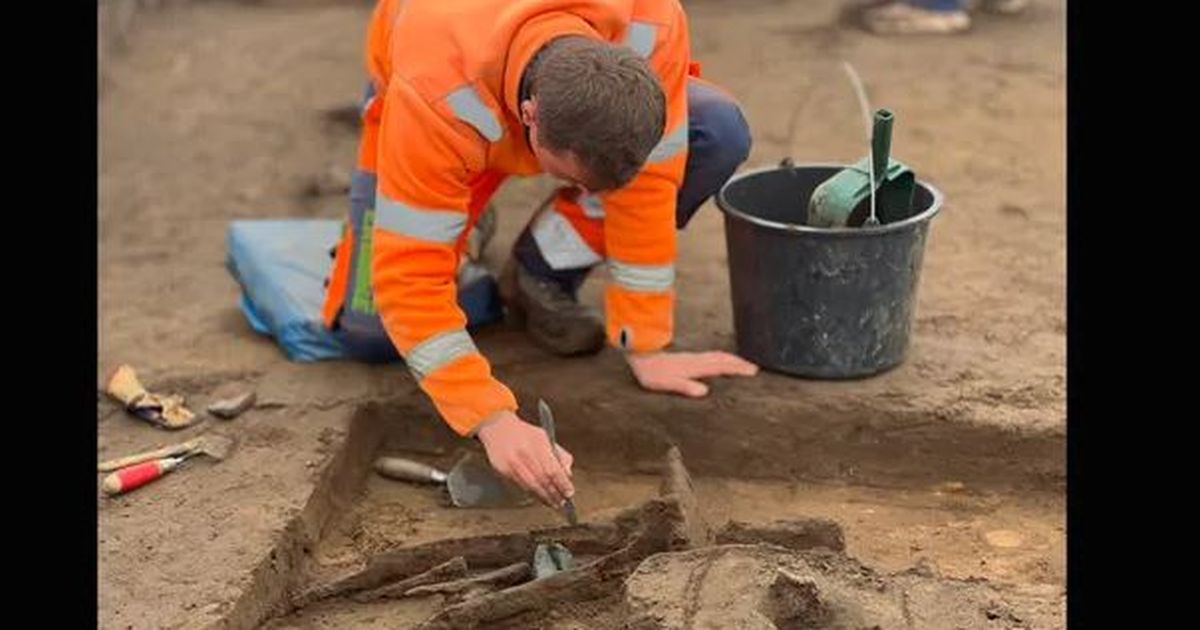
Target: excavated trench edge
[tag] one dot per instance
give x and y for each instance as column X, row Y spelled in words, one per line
column 341, row 480
column 877, row 460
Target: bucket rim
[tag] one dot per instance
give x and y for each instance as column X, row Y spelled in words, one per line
column 728, row 209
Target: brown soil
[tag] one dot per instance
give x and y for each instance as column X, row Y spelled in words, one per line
column 216, row 111
column 933, row 550
column 740, row 587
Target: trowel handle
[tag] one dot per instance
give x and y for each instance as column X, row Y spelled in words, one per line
column 138, row 475
column 881, row 143
column 173, row 450
column 408, row 470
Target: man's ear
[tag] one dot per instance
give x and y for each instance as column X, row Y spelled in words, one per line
column 529, row 112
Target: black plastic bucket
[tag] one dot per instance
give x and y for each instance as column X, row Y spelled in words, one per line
column 816, row 302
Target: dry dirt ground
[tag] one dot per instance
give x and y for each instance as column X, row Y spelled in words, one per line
column 213, row 111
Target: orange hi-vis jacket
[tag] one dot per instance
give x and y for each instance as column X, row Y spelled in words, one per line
column 442, row 133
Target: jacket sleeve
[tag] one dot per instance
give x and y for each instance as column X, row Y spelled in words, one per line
column 425, row 159
column 639, row 219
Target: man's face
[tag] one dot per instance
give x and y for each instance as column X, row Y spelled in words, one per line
column 562, row 165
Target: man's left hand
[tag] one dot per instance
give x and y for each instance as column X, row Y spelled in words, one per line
column 677, row 372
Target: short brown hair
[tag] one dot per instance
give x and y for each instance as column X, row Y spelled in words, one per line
column 602, row 103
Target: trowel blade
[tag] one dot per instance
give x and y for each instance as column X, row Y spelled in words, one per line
column 473, row 483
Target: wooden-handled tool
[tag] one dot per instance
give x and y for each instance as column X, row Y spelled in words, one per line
column 173, row 450
column 471, row 483
column 408, row 470
column 139, row 474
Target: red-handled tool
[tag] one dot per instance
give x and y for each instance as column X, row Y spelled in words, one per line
column 138, row 475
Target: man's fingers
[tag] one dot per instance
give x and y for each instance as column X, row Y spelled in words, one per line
column 723, row 363
column 679, row 385
column 532, row 483
column 708, row 370
column 550, row 474
column 568, row 460
column 541, row 470
column 694, row 389
column 739, row 366
column 555, row 484
column 557, row 475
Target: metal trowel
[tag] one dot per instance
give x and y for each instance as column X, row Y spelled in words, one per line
column 875, row 190
column 471, row 483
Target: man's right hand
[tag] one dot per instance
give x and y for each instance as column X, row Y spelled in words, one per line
column 521, row 451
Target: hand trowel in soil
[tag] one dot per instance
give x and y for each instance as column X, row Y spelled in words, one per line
column 471, row 483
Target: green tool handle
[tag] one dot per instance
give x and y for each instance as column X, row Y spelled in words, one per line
column 881, row 143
